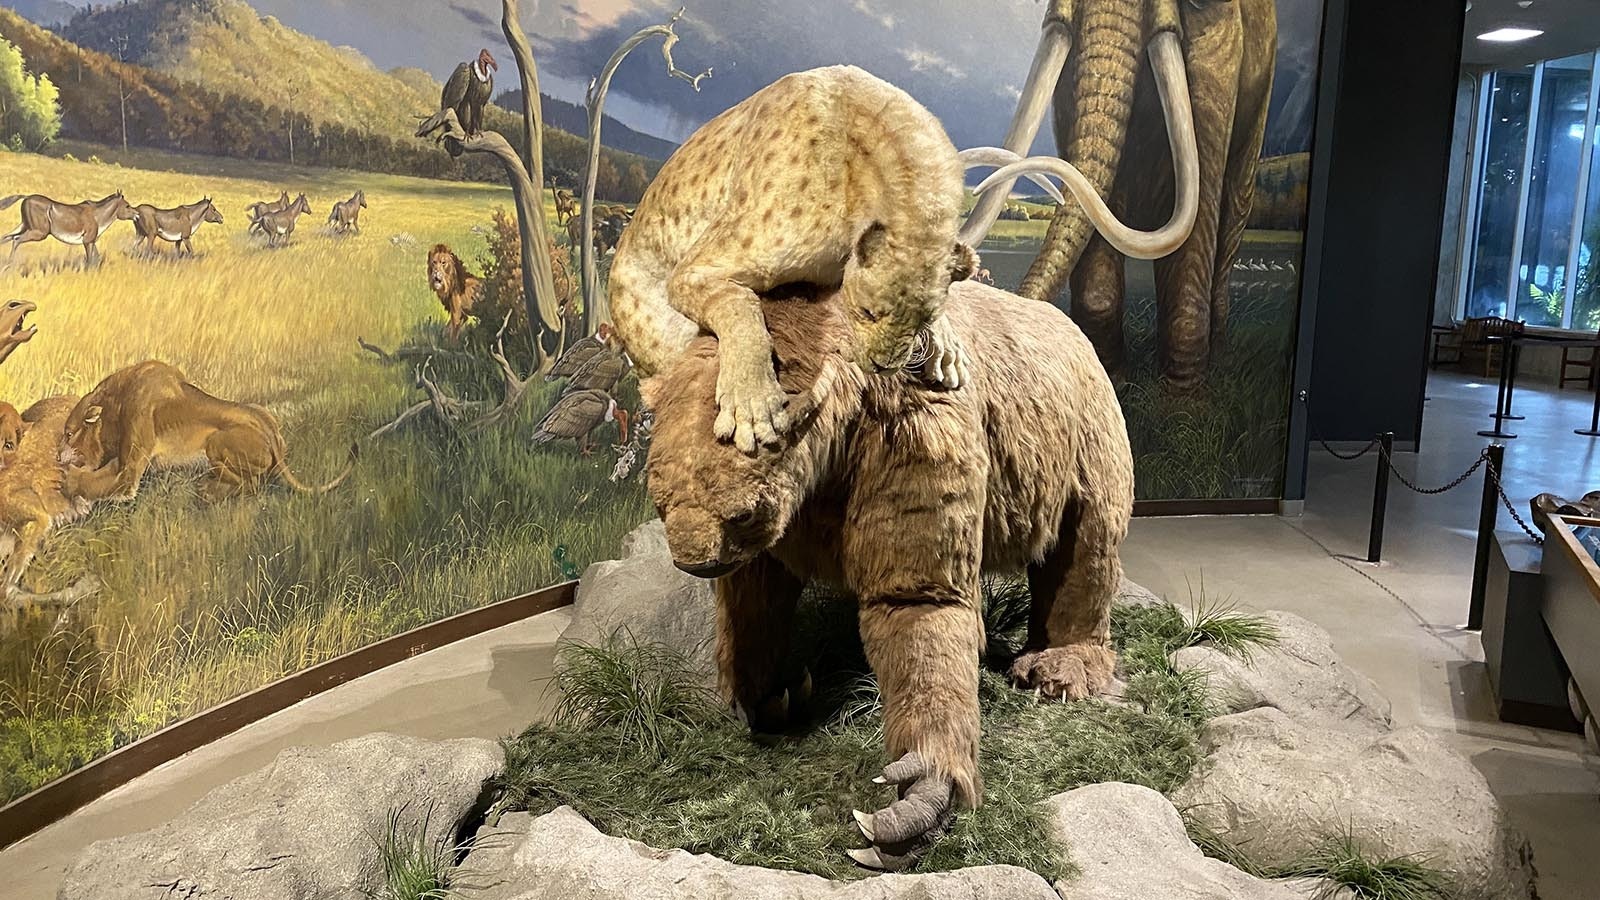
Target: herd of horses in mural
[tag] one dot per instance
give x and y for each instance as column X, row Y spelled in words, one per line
column 82, row 224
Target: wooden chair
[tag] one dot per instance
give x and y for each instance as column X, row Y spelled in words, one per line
column 1587, row 368
column 1475, row 345
column 1446, row 341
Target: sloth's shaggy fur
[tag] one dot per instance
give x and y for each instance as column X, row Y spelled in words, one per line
column 902, row 495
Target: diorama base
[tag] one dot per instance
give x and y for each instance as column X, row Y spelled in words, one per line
column 1298, row 755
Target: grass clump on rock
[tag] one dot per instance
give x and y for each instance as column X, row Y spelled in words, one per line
column 644, row 750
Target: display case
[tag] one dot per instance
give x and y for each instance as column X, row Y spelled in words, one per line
column 1571, row 570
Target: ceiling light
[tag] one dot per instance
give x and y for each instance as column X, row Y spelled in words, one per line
column 1509, row 35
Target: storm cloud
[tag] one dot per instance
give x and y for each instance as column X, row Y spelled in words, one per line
column 964, row 60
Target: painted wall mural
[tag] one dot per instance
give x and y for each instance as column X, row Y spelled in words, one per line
column 298, row 357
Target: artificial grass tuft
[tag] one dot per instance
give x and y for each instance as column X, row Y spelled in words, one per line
column 410, row 865
column 640, row 749
column 1341, row 861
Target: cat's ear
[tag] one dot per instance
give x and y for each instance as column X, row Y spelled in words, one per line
column 871, row 243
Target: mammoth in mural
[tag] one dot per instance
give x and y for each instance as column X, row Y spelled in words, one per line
column 1179, row 138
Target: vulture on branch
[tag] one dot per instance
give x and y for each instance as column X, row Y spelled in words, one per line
column 577, row 414
column 467, row 92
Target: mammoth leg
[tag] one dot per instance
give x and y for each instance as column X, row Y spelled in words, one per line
column 1184, row 279
column 755, row 614
column 1258, row 21
column 1098, row 289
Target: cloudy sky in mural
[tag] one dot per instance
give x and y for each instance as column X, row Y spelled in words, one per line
column 964, row 59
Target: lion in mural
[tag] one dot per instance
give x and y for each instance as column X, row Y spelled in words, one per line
column 35, row 495
column 902, row 494
column 457, row 289
column 148, row 414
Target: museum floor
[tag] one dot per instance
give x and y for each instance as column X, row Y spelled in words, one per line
column 1398, row 622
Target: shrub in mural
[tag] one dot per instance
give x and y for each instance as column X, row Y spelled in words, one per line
column 298, row 357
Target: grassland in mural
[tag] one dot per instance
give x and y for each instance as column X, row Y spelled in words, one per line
column 201, row 601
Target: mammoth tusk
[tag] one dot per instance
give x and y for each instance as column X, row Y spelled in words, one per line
column 984, row 157
column 1166, row 59
column 1055, row 42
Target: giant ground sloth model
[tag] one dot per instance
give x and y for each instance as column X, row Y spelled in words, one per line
column 902, row 494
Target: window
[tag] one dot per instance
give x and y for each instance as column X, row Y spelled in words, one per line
column 1500, row 191
column 1533, row 245
column 1560, row 128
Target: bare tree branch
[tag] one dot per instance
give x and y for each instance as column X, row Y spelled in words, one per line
column 412, row 354
column 596, row 308
column 515, row 387
column 453, row 412
column 410, row 413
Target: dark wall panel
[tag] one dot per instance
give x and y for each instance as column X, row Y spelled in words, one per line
column 1389, row 160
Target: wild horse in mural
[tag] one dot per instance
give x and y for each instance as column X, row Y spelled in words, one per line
column 70, row 223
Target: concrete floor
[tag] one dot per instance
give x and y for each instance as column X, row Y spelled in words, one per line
column 1399, row 622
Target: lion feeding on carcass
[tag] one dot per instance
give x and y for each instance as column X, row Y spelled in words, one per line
column 903, row 493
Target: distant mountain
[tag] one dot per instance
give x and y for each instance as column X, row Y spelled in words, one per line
column 574, row 118
column 225, row 46
column 48, row 13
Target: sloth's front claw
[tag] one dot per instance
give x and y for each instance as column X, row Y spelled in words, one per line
column 902, row 831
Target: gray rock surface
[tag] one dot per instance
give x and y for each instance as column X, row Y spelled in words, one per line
column 644, row 595
column 1129, row 843
column 1300, row 674
column 560, row 856
column 1280, row 787
column 303, row 828
column 1130, row 594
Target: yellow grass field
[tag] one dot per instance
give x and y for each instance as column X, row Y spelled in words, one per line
column 202, row 601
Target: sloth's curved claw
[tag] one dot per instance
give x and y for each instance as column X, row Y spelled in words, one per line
column 867, row 857
column 864, row 822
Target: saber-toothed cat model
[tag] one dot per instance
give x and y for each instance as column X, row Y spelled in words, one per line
column 829, row 177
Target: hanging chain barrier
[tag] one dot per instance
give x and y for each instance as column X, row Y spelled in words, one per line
column 1494, row 496
column 1492, row 460
column 1454, row 483
column 1348, row 456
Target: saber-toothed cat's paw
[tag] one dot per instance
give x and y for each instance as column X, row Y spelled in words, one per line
column 751, row 408
column 945, row 363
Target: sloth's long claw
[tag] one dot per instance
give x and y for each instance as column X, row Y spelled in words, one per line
column 864, row 822
column 867, row 857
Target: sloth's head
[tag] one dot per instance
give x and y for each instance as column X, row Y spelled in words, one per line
column 723, row 507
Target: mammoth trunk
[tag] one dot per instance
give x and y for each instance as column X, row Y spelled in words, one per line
column 1093, row 102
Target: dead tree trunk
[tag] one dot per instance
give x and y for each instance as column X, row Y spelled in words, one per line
column 538, row 277
column 596, row 308
column 526, row 175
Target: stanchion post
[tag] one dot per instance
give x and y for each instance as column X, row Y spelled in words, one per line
column 1488, row 511
column 1380, row 498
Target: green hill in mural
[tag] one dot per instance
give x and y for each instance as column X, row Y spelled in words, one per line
column 228, row 47
column 237, row 110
